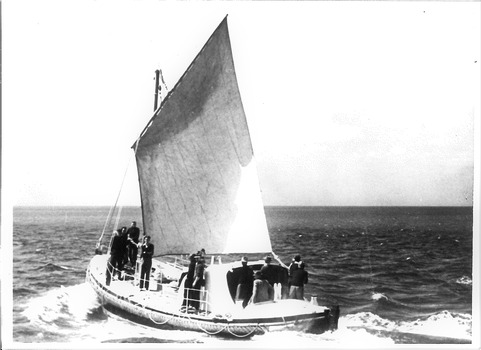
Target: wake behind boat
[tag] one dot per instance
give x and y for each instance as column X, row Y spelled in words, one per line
column 199, row 189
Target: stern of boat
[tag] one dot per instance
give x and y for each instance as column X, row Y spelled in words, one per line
column 327, row 323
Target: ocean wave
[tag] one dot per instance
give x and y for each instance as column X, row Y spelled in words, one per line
column 459, row 325
column 380, row 292
column 65, row 307
column 378, row 296
column 444, row 327
column 74, row 313
column 52, row 267
column 343, row 337
column 465, row 280
column 150, row 340
column 23, row 291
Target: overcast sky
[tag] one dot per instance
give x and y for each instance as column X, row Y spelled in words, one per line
column 348, row 103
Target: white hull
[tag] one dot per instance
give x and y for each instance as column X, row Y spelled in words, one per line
column 160, row 307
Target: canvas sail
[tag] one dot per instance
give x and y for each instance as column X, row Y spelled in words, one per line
column 197, row 174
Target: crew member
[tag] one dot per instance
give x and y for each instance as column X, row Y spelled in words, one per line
column 198, row 283
column 262, row 291
column 244, row 283
column 268, row 271
column 114, row 263
column 147, row 251
column 298, row 279
column 133, row 234
column 189, row 280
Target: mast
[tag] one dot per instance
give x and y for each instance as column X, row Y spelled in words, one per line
column 157, row 88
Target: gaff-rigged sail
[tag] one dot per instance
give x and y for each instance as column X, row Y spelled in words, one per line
column 197, row 174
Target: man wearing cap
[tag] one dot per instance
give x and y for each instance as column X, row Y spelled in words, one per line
column 244, row 283
column 298, row 279
column 268, row 271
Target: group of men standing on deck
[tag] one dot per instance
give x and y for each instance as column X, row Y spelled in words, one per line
column 259, row 286
column 251, row 287
column 124, row 249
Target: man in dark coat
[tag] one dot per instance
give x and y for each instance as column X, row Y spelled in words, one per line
column 198, row 283
column 125, row 245
column 114, row 264
column 147, row 251
column 298, row 280
column 294, row 266
column 245, row 282
column 133, row 234
column 268, row 271
column 189, row 280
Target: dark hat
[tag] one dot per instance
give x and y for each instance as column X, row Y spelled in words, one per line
column 244, row 259
column 297, row 258
column 268, row 258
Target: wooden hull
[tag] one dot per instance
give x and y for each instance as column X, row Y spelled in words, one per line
column 159, row 310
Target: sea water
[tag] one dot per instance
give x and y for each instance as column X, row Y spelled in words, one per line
column 401, row 275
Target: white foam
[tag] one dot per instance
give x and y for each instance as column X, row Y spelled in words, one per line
column 67, row 304
column 443, row 324
column 465, row 280
column 378, row 296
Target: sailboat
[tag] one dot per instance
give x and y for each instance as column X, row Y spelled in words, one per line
column 199, row 189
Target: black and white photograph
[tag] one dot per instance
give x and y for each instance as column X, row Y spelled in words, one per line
column 240, row 174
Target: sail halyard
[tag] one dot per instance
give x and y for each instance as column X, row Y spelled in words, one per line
column 197, row 173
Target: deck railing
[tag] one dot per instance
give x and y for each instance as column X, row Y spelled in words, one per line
column 189, row 303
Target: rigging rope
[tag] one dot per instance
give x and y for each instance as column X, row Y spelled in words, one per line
column 160, row 323
column 223, row 328
column 199, row 325
column 242, row 336
column 105, row 226
column 112, row 209
column 205, row 330
column 118, row 217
